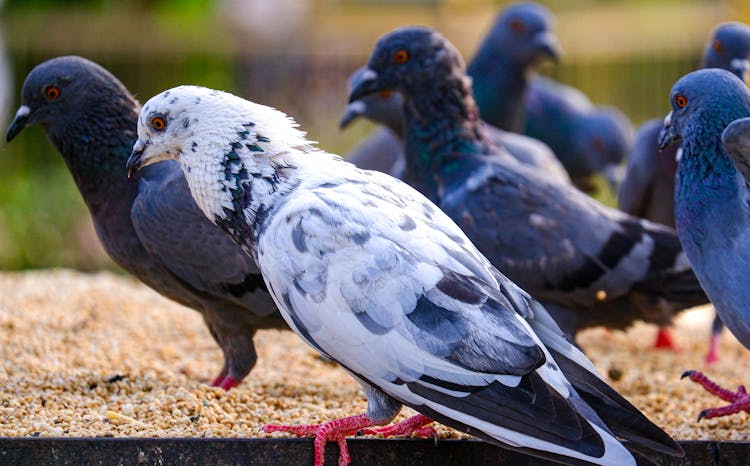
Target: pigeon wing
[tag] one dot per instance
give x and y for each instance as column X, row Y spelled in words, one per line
column 172, row 228
column 405, row 303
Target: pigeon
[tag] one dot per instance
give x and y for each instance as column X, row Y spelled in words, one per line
column 377, row 152
column 373, row 275
column 587, row 139
column 647, row 190
column 729, row 49
column 149, row 225
column 588, row 264
column 521, row 37
column 711, row 200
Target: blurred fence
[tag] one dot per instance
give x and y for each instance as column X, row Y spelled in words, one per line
column 42, row 220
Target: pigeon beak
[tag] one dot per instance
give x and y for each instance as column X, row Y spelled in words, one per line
column 19, row 123
column 136, row 160
column 353, row 111
column 667, row 135
column 549, row 45
column 368, row 84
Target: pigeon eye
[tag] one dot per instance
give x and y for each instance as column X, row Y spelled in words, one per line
column 385, row 93
column 52, row 92
column 517, row 26
column 716, row 45
column 400, row 56
column 680, row 101
column 158, row 123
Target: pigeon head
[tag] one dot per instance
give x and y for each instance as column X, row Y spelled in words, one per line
column 405, row 59
column 703, row 103
column 524, row 31
column 67, row 91
column 736, row 137
column 729, row 48
column 384, row 107
column 215, row 136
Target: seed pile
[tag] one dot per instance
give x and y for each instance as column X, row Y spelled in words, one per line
column 102, row 356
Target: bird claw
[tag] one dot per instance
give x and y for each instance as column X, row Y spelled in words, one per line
column 335, row 430
column 738, row 401
column 414, row 425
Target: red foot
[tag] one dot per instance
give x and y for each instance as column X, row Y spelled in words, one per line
column 226, row 383
column 713, row 349
column 664, row 340
column 739, row 401
column 229, row 382
column 328, row 431
column 413, row 425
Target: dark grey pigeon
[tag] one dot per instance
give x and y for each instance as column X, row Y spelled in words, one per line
column 588, row 264
column 710, row 118
column 518, row 41
column 647, row 190
column 373, row 275
column 383, row 150
column 149, row 225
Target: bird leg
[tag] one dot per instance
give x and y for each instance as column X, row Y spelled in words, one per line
column 713, row 344
column 664, row 340
column 335, row 430
column 739, row 400
column 713, row 349
column 413, row 425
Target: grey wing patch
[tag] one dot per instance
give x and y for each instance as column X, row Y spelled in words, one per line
column 172, row 227
column 473, row 326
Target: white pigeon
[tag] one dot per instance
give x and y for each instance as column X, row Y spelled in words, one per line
column 374, row 276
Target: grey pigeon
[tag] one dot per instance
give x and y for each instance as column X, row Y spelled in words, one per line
column 383, row 150
column 711, row 200
column 647, row 190
column 588, row 264
column 520, row 38
column 149, row 225
column 587, row 139
column 373, row 275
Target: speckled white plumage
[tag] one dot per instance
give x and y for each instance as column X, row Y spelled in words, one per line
column 373, row 275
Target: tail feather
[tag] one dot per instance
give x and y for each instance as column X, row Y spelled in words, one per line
column 623, row 419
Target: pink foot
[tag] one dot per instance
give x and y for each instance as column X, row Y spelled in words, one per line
column 225, row 382
column 713, row 350
column 217, row 381
column 229, row 382
column 664, row 340
column 335, row 430
column 408, row 427
column 739, row 401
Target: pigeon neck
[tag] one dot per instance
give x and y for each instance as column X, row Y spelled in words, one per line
column 442, row 121
column 499, row 86
column 95, row 148
column 705, row 172
column 248, row 188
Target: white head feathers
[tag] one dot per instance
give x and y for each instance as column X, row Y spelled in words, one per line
column 218, row 138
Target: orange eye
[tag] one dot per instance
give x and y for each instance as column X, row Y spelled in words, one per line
column 517, row 26
column 52, row 92
column 680, row 101
column 158, row 123
column 716, row 45
column 385, row 93
column 400, row 56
